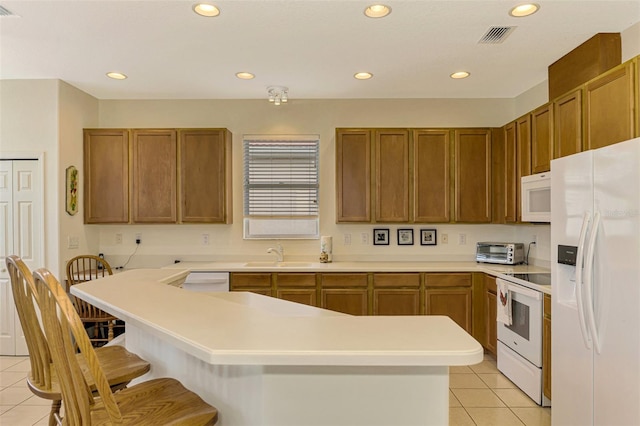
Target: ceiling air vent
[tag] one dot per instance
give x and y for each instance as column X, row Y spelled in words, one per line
column 496, row 35
column 5, row 12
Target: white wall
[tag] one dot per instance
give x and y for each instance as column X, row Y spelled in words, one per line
column 77, row 110
column 29, row 124
column 630, row 42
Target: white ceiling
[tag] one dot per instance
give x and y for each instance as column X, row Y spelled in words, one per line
column 313, row 47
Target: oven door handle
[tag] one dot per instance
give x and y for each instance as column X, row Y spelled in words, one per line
column 515, row 288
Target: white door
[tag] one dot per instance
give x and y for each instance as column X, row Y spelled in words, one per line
column 21, row 213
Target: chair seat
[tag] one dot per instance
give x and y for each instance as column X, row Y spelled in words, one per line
column 160, row 401
column 120, row 367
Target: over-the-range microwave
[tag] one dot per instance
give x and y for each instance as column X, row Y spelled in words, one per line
column 536, row 197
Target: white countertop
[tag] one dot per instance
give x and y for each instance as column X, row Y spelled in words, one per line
column 489, row 268
column 249, row 329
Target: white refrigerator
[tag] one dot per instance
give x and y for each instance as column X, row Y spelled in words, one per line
column 595, row 328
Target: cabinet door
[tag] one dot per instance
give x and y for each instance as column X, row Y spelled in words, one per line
column 396, row 301
column 523, row 158
column 392, row 175
column 567, row 124
column 353, row 301
column 511, row 175
column 452, row 302
column 205, row 176
column 306, row 296
column 346, row 293
column 491, row 311
column 609, row 104
column 498, row 174
column 431, row 176
column 154, row 176
column 106, row 176
column 473, row 175
column 541, row 138
column 353, row 175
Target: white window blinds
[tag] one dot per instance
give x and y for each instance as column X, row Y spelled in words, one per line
column 281, row 184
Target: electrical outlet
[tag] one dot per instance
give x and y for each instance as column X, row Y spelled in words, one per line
column 462, row 239
column 364, row 238
column 138, row 238
column 347, row 239
column 118, row 238
column 444, row 238
column 73, row 242
column 534, row 239
column 205, row 239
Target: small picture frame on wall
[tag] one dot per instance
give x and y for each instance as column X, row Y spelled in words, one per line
column 405, row 237
column 381, row 237
column 428, row 237
column 71, row 196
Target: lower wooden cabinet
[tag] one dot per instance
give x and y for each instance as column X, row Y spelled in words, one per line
column 396, row 294
column 491, row 325
column 546, row 347
column 255, row 282
column 345, row 292
column 297, row 287
column 450, row 295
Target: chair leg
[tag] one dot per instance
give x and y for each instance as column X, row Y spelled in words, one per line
column 55, row 410
column 110, row 331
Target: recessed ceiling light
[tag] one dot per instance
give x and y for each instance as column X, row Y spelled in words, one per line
column 116, row 75
column 460, row 74
column 524, row 10
column 205, row 9
column 363, row 75
column 377, row 11
column 245, row 75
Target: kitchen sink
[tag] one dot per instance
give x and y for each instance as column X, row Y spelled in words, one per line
column 278, row 264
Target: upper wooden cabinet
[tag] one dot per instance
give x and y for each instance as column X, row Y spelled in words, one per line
column 541, row 138
column 498, row 173
column 392, row 175
column 431, row 180
column 609, row 107
column 198, row 190
column 567, row 124
column 353, row 175
column 106, row 176
column 511, row 174
column 205, row 176
column 472, row 175
column 154, row 176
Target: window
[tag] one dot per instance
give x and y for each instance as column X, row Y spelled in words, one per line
column 281, row 186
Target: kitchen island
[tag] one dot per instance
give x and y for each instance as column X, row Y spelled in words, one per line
column 264, row 361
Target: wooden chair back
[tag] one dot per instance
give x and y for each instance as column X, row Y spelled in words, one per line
column 24, row 294
column 64, row 330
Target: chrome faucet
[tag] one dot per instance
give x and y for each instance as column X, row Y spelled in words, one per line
column 278, row 250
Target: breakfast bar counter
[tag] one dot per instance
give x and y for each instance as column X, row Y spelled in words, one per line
column 265, row 361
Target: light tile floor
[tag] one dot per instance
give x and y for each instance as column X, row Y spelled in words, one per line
column 479, row 395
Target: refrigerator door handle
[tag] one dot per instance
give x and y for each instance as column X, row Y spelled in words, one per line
column 588, row 282
column 586, row 338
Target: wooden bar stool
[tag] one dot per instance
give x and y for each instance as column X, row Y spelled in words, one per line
column 120, row 365
column 155, row 402
column 83, row 268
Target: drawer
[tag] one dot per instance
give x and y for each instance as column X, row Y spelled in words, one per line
column 343, row 280
column 411, row 280
column 448, row 280
column 295, row 280
column 250, row 280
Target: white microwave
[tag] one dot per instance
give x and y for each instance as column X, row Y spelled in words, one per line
column 536, row 197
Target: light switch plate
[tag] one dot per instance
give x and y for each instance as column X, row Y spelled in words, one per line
column 73, row 242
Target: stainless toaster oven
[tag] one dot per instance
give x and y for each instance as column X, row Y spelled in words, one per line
column 504, row 253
